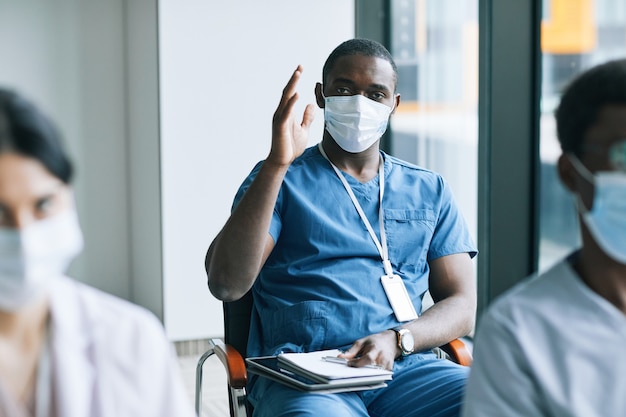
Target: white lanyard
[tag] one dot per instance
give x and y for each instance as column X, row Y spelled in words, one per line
column 382, row 244
column 44, row 379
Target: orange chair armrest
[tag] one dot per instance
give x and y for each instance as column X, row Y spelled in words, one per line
column 458, row 351
column 234, row 364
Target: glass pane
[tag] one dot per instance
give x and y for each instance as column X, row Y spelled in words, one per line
column 575, row 35
column 435, row 45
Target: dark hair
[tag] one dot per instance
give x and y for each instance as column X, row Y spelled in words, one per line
column 583, row 99
column 366, row 47
column 26, row 131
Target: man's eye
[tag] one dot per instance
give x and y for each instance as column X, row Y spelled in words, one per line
column 376, row 96
column 344, row 90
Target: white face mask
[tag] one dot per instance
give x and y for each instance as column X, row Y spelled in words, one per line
column 607, row 219
column 32, row 257
column 355, row 122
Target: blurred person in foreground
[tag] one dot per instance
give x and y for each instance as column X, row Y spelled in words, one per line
column 554, row 344
column 66, row 350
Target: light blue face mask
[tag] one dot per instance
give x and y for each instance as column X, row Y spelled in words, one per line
column 606, row 221
column 32, row 257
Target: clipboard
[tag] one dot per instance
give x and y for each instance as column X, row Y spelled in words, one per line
column 269, row 367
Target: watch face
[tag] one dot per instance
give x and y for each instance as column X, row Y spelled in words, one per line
column 407, row 342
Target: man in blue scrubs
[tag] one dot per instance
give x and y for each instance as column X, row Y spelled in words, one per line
column 340, row 241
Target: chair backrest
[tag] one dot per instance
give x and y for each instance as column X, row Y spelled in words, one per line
column 237, row 322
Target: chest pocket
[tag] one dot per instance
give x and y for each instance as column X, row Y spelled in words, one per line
column 409, row 233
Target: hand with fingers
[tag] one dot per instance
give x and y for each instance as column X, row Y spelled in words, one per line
column 290, row 136
column 378, row 349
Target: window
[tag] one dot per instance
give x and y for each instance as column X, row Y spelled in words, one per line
column 575, row 35
column 435, row 45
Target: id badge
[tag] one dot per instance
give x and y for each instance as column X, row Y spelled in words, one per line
column 398, row 297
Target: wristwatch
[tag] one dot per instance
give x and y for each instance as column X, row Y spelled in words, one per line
column 406, row 343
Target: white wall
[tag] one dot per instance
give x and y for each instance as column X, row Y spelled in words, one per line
column 164, row 117
column 223, row 66
column 92, row 67
column 68, row 57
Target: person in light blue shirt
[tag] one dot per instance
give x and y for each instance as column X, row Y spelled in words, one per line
column 316, row 232
column 553, row 345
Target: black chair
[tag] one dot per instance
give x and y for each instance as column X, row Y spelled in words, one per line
column 236, row 325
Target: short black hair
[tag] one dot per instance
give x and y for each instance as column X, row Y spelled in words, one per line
column 26, row 131
column 584, row 98
column 358, row 46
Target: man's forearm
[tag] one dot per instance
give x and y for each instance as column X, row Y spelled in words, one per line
column 237, row 254
column 446, row 320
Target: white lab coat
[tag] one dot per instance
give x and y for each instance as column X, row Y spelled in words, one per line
column 110, row 358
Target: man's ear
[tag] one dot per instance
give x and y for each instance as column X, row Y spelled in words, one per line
column 574, row 181
column 567, row 172
column 319, row 97
column 396, row 103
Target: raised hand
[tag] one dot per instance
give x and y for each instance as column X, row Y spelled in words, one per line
column 289, row 136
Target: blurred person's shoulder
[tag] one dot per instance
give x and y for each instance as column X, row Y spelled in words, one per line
column 539, row 298
column 79, row 305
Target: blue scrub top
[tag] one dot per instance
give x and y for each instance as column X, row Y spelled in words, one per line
column 320, row 287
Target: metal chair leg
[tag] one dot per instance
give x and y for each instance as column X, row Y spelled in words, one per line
column 201, row 361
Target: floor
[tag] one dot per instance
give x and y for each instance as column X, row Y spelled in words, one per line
column 214, row 392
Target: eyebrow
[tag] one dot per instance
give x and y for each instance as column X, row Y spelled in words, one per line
column 371, row 86
column 48, row 194
column 45, row 196
column 380, row 87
